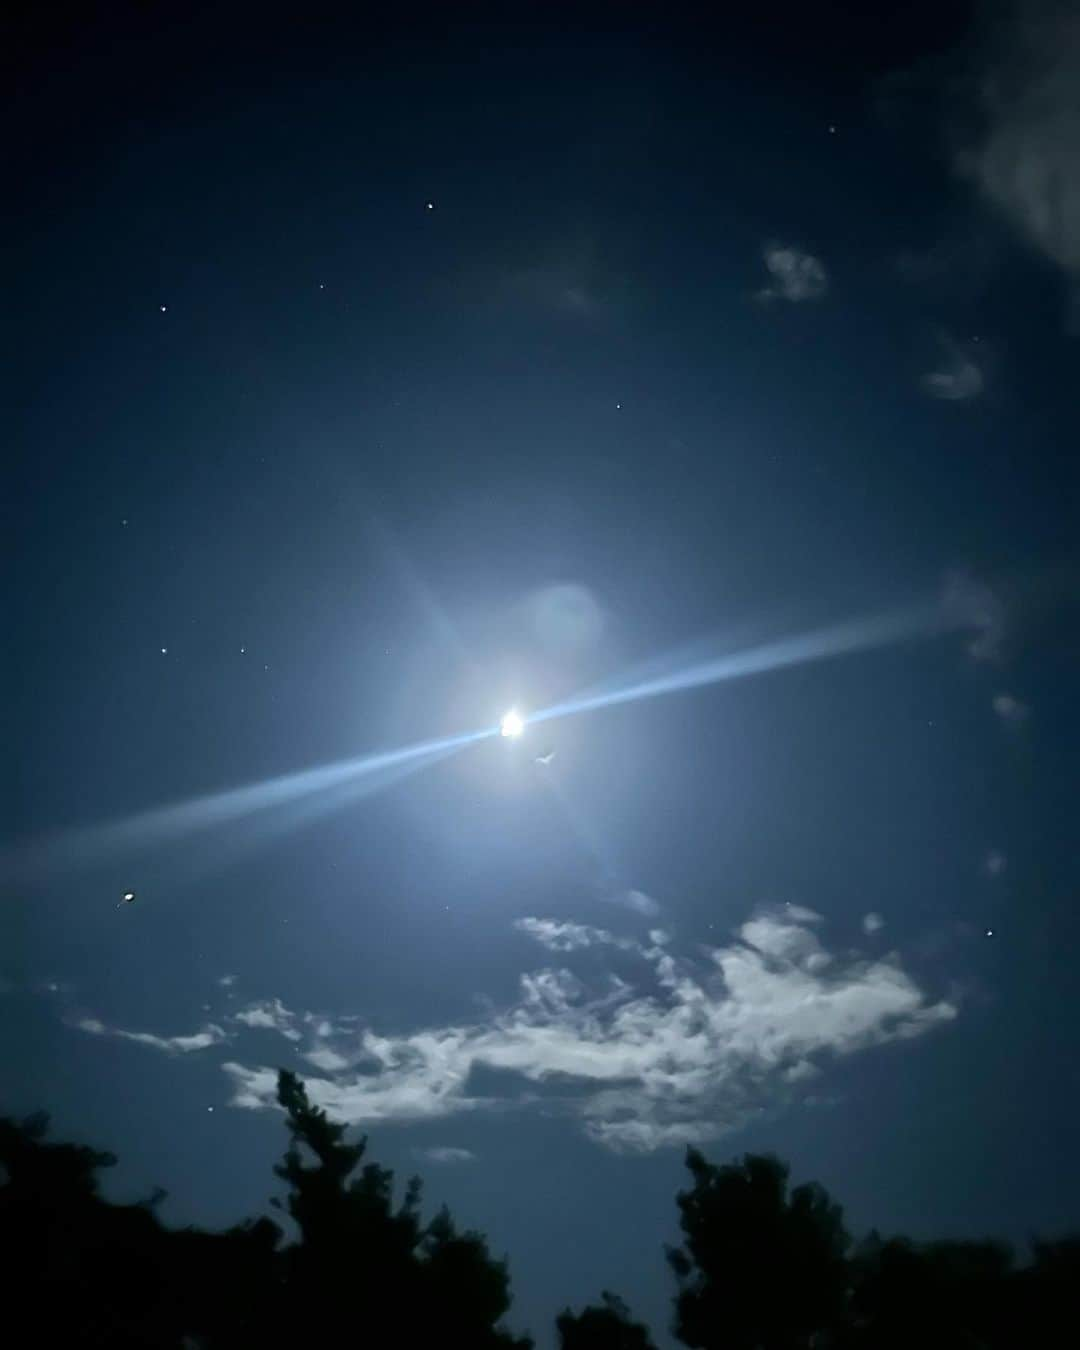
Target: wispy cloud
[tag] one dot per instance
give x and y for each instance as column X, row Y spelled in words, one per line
column 560, row 936
column 995, row 863
column 681, row 1055
column 327, row 1059
column 795, row 275
column 957, row 377
column 211, row 1034
column 441, row 1154
column 227, row 981
column 639, row 902
column 872, row 923
column 970, row 603
column 1012, row 712
column 1025, row 161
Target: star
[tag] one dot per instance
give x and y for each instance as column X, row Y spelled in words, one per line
column 164, row 651
column 242, row 650
column 989, row 932
column 832, row 131
column 430, row 206
column 123, row 522
column 209, row 1108
column 162, row 307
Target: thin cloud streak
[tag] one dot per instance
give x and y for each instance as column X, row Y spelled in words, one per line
column 210, row 1035
column 446, row 1155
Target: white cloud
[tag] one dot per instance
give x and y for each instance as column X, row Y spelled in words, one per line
column 227, row 981
column 957, row 377
column 800, row 1071
column 1026, row 160
column 1011, row 710
column 682, row 1055
column 969, row 603
column 211, row 1034
column 795, row 275
column 441, row 1154
column 271, row 1015
column 872, row 923
column 323, row 1057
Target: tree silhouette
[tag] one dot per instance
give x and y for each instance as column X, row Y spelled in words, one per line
column 87, row 1272
column 758, row 1270
column 466, row 1290
column 1047, row 1299
column 362, row 1263
column 602, row 1328
column 939, row 1294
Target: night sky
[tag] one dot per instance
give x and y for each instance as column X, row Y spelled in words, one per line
column 367, row 380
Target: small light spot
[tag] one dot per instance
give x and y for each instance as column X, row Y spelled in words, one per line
column 618, row 405
column 989, row 932
column 321, row 286
column 162, row 308
column 164, row 651
column 430, row 206
column 832, row 130
column 209, row 1108
column 123, row 522
column 242, row 650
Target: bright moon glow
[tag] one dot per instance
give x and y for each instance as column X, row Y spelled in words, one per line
column 511, row 725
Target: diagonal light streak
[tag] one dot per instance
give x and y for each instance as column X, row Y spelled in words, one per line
column 95, row 844
column 329, row 785
column 837, row 640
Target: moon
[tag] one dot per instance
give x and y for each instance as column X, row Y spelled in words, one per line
column 512, row 724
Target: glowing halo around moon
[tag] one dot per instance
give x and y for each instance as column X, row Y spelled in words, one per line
column 512, row 724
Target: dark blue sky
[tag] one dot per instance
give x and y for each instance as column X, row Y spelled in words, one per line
column 710, row 337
